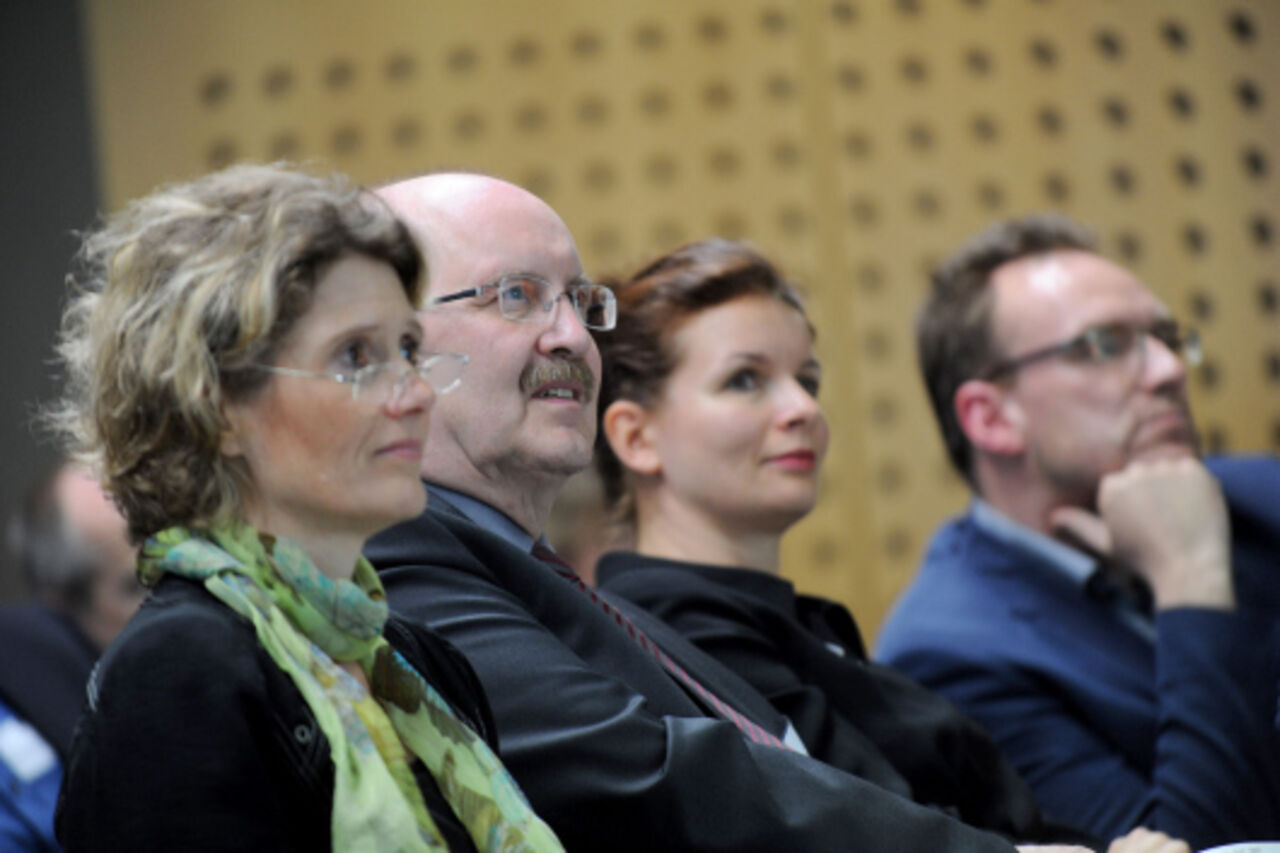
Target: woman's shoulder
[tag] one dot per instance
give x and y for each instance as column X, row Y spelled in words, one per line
column 659, row 582
column 181, row 631
column 179, row 610
column 617, row 570
column 186, row 687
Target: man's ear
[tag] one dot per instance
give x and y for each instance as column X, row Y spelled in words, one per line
column 628, row 428
column 990, row 418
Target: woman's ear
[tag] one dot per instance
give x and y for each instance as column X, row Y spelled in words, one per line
column 628, row 427
column 990, row 417
column 231, row 439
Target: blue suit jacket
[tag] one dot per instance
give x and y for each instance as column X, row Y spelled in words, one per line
column 1111, row 730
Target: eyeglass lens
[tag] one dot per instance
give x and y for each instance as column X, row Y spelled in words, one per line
column 594, row 306
column 591, row 302
column 1115, row 341
column 1133, row 345
column 443, row 372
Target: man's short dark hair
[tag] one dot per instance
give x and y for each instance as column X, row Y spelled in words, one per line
column 953, row 328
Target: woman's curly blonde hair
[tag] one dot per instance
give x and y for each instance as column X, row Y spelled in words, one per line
column 177, row 297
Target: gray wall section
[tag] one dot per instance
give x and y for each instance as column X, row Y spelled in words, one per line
column 49, row 192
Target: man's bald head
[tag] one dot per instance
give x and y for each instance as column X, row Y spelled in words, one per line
column 445, row 209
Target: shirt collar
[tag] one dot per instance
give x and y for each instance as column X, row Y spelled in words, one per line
column 482, row 515
column 773, row 589
column 1076, row 566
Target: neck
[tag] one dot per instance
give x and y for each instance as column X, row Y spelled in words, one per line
column 1023, row 498
column 687, row 533
column 333, row 551
column 528, row 507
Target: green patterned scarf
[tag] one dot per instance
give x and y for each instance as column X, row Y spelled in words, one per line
column 306, row 622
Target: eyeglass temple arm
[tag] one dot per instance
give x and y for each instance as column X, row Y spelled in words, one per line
column 454, row 297
column 1008, row 366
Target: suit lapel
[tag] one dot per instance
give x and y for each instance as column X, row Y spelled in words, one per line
column 1063, row 619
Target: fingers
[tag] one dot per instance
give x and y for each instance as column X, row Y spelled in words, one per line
column 1168, row 523
column 1083, row 529
column 1143, row 840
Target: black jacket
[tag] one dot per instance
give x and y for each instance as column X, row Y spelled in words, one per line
column 197, row 740
column 612, row 752
column 806, row 655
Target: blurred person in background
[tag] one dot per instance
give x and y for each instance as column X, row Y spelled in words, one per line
column 73, row 549
column 247, row 375
column 1107, row 608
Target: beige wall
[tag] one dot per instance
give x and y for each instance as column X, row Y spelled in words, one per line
column 853, row 141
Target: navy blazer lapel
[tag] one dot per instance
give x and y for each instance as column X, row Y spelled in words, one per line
column 1063, row 616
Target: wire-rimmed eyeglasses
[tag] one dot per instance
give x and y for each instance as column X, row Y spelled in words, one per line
column 386, row 380
column 519, row 294
column 1109, row 342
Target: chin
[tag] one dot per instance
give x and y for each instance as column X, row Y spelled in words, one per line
column 801, row 500
column 1164, row 452
column 407, row 506
column 1176, row 444
column 567, row 458
column 781, row 516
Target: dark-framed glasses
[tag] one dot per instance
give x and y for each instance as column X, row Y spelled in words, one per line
column 386, row 380
column 1109, row 343
column 522, row 295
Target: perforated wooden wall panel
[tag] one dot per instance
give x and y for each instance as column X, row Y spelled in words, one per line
column 855, row 141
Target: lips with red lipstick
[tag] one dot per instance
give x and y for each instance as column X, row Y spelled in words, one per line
column 561, row 379
column 795, row 460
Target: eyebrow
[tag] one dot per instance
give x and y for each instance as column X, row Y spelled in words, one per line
column 498, row 276
column 747, row 355
column 411, row 326
column 760, row 358
column 1114, row 320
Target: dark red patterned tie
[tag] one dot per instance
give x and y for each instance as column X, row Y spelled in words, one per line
column 750, row 729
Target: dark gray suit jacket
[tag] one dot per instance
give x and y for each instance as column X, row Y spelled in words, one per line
column 611, row 751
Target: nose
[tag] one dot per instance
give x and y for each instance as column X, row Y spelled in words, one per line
column 412, row 393
column 566, row 334
column 798, row 407
column 1162, row 367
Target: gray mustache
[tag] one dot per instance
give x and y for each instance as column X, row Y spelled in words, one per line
column 560, row 370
